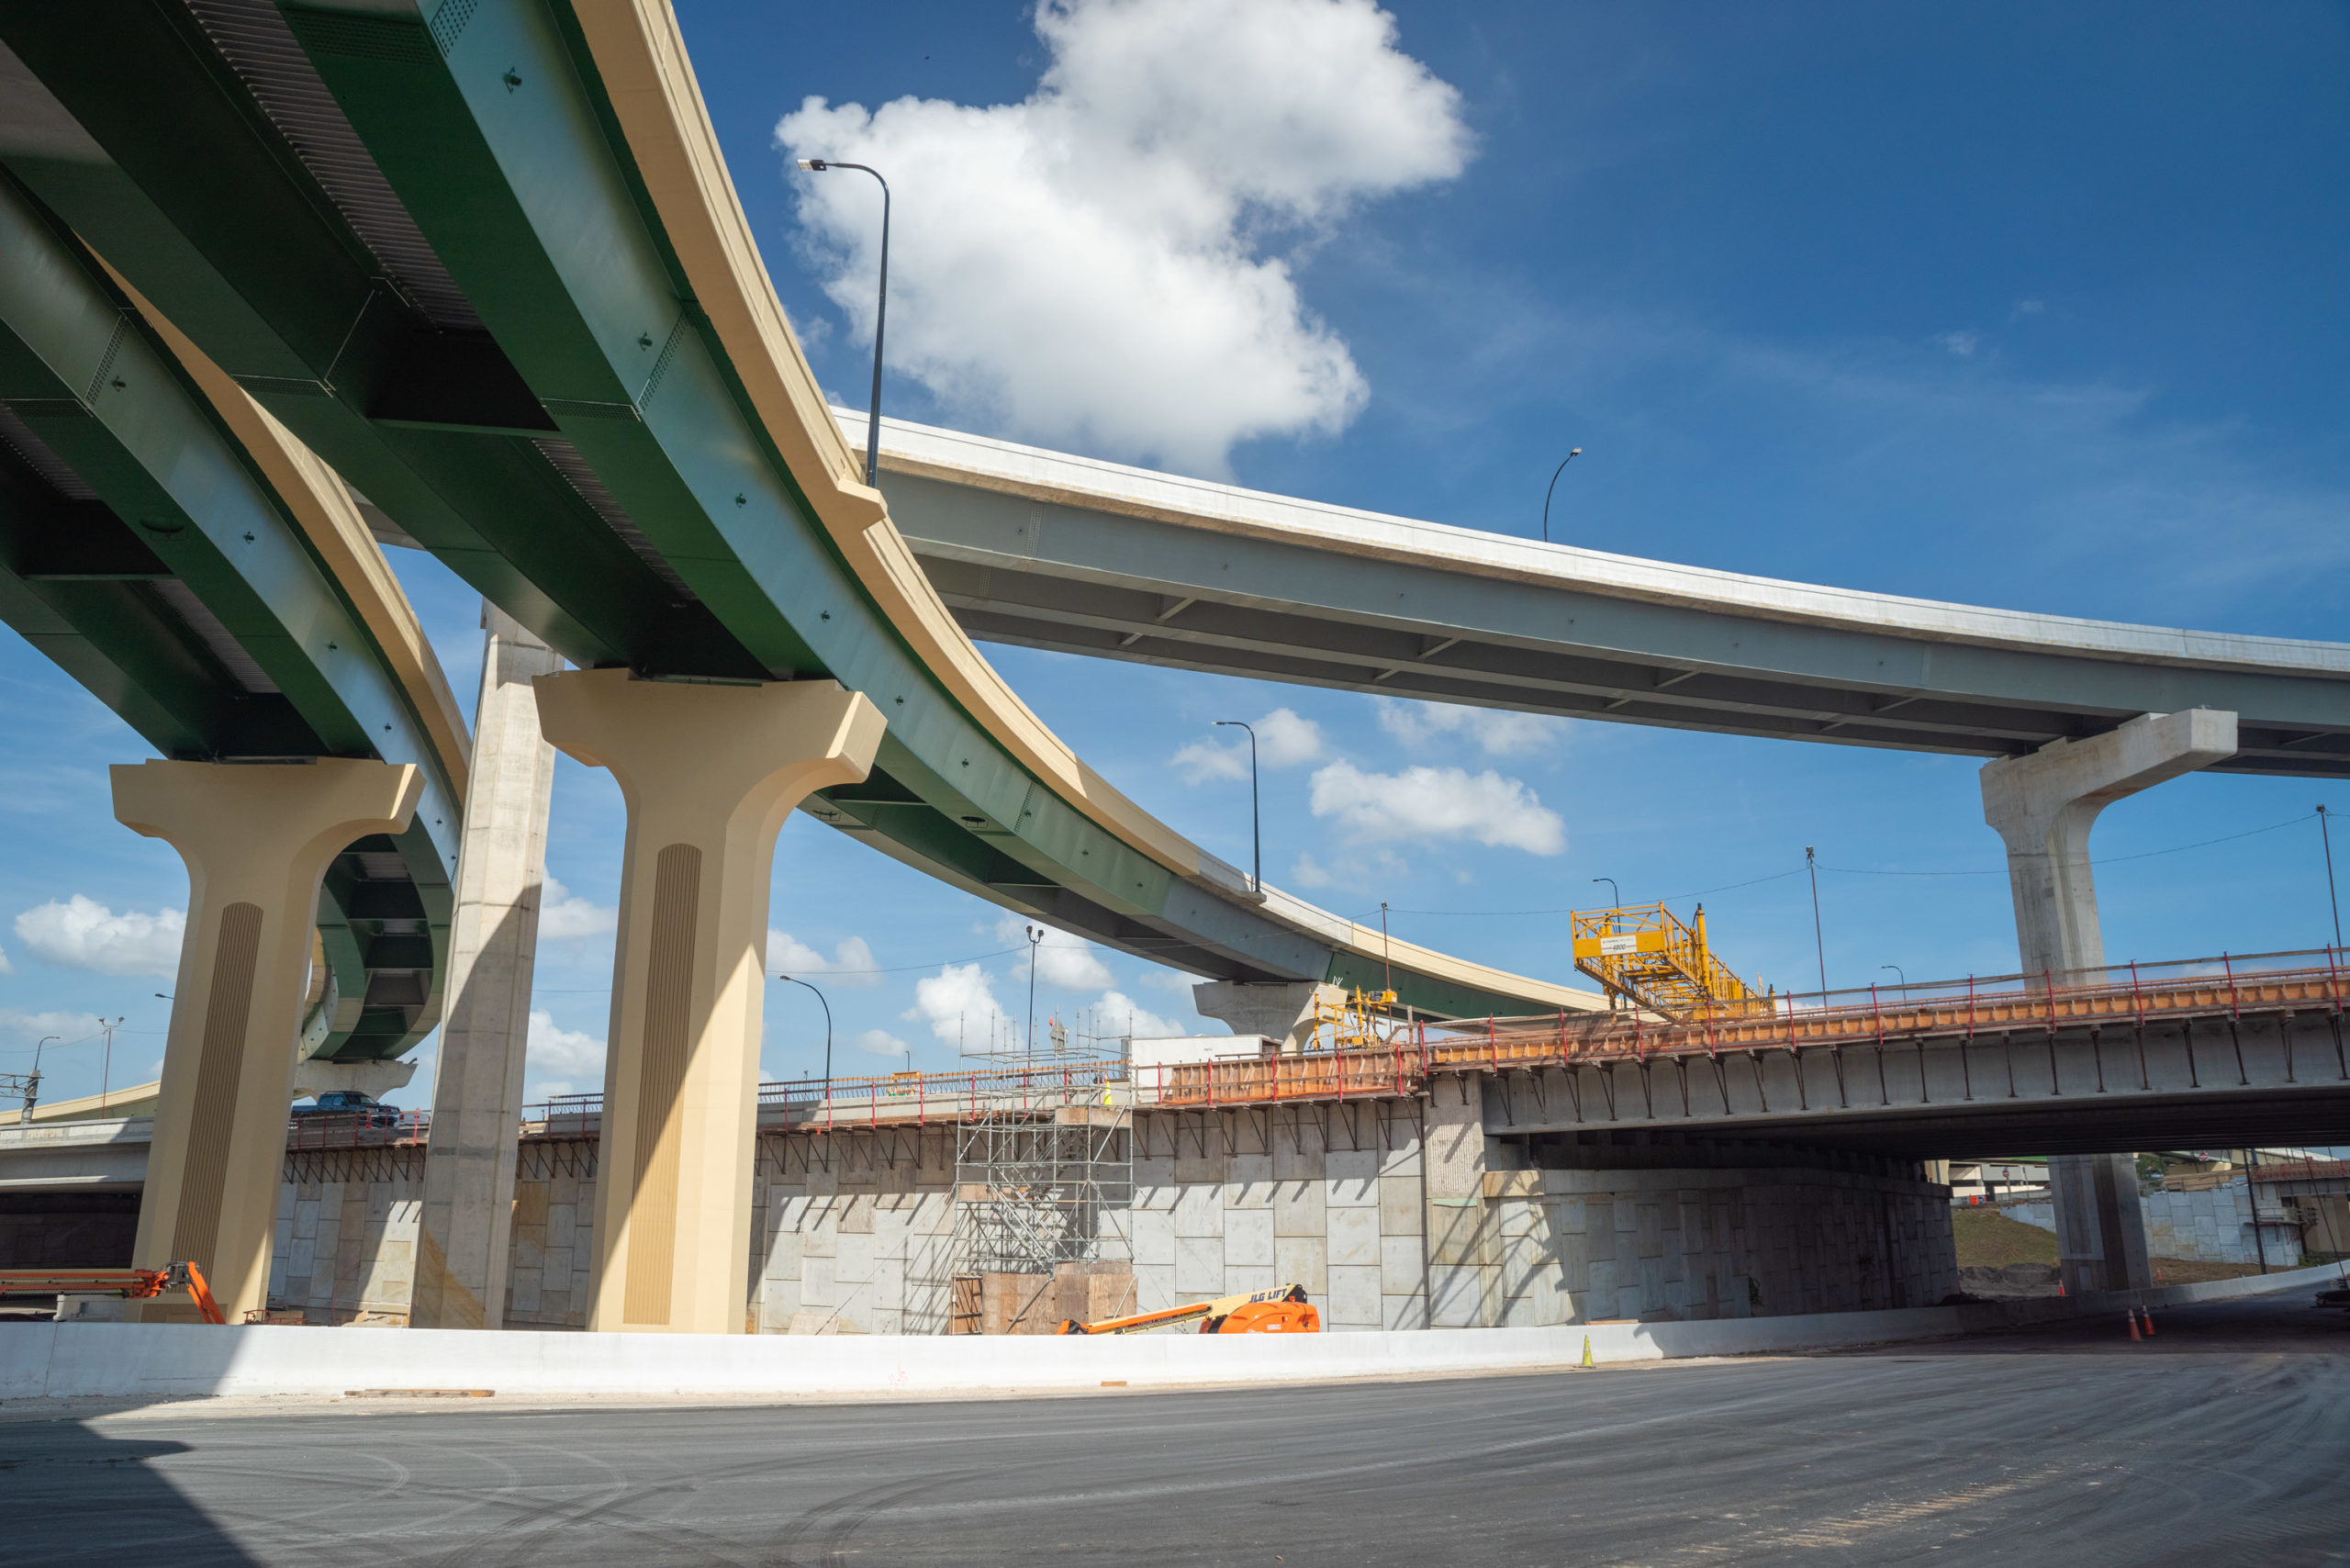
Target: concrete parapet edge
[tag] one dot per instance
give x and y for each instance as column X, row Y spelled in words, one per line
column 66, row 1360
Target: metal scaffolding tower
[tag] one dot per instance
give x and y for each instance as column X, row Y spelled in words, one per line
column 1044, row 1176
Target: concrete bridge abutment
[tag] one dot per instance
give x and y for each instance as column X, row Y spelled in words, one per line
column 2043, row 806
column 257, row 840
column 709, row 773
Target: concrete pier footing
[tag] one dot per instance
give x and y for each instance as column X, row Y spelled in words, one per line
column 463, row 1243
column 257, row 840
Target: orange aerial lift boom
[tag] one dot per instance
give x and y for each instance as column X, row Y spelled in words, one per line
column 131, row 1284
column 1281, row 1310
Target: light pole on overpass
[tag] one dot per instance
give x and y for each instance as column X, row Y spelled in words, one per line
column 881, row 313
column 1255, row 830
column 1561, row 468
column 828, row 1033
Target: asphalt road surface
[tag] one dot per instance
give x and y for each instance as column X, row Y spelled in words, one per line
column 2219, row 1444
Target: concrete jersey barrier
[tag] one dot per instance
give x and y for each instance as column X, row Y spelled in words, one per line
column 57, row 1361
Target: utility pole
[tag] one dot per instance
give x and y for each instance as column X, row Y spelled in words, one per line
column 2326, row 837
column 106, row 1068
column 1819, row 942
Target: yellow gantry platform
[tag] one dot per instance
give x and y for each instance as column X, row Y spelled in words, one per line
column 1645, row 953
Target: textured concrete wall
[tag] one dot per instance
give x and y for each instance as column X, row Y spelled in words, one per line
column 1688, row 1245
column 2210, row 1225
column 346, row 1233
column 1327, row 1197
column 852, row 1232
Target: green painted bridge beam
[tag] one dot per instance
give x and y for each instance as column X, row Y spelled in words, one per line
column 178, row 590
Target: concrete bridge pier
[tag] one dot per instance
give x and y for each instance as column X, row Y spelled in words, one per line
column 2043, row 806
column 257, row 840
column 1282, row 1010
column 463, row 1239
column 709, row 773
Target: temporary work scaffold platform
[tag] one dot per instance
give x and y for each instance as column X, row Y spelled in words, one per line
column 1644, row 954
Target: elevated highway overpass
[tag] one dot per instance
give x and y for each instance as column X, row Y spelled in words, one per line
column 483, row 257
column 1046, row 550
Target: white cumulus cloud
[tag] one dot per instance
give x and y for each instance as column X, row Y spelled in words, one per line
column 557, row 1060
column 1494, row 730
column 882, row 1042
column 1435, row 803
column 83, row 934
column 959, row 1003
column 29, row 1027
column 563, row 913
column 6, row 967
column 1119, row 1014
column 1107, row 264
column 1065, row 960
column 1284, row 740
column 852, row 962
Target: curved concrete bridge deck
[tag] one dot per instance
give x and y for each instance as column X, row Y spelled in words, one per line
column 1048, row 550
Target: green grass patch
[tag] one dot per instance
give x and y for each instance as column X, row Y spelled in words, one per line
column 1987, row 1237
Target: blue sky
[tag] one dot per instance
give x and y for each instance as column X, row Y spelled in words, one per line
column 2001, row 305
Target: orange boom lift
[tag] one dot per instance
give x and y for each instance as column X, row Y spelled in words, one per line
column 131, row 1284
column 1281, row 1310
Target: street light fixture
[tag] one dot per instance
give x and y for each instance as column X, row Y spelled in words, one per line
column 881, row 314
column 828, row 1033
column 1613, row 888
column 1561, row 468
column 1256, row 828
column 1897, row 969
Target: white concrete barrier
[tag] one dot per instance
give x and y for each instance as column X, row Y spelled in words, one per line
column 176, row 1360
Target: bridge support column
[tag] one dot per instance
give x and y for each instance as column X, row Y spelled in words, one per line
column 257, row 841
column 709, row 773
column 467, row 1224
column 1278, row 1010
column 2043, row 806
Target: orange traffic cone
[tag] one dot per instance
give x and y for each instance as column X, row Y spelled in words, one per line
column 2133, row 1315
column 2148, row 1318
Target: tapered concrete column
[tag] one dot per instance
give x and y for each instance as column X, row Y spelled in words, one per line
column 1278, row 1010
column 2043, row 806
column 466, row 1229
column 709, row 773
column 257, row 841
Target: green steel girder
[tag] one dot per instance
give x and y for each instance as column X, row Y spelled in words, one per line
column 201, row 202
column 180, row 506
column 502, row 152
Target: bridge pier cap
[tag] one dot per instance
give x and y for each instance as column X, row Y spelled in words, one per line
column 709, row 773
column 2044, row 804
column 257, row 839
column 2043, row 807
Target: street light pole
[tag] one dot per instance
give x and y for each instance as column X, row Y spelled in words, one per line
column 1035, row 939
column 880, row 315
column 1255, row 822
column 828, row 1032
column 1897, row 969
column 1613, row 888
column 1561, row 468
